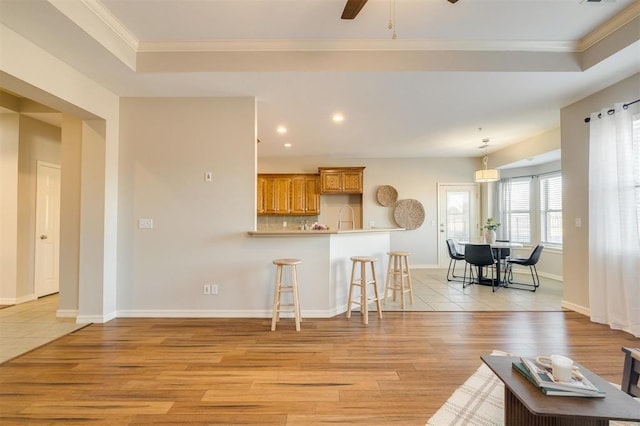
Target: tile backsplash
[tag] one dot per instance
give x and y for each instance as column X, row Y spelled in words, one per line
column 277, row 223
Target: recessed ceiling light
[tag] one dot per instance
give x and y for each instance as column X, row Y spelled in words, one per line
column 287, row 145
column 281, row 129
column 338, row 118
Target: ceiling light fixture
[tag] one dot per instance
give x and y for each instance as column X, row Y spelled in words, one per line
column 281, row 129
column 486, row 174
column 338, row 118
column 287, row 145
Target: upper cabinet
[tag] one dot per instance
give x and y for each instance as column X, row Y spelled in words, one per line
column 305, row 194
column 275, row 195
column 341, row 180
column 284, row 194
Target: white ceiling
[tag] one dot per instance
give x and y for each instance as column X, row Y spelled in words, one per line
column 506, row 66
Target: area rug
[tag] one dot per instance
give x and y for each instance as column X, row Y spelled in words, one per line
column 480, row 402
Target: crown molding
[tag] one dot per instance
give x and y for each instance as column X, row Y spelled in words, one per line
column 609, row 27
column 96, row 20
column 317, row 45
column 112, row 22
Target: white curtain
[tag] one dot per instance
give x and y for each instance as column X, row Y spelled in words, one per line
column 504, row 208
column 614, row 238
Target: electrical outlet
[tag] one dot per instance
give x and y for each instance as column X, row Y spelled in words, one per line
column 214, row 289
column 145, row 223
column 207, row 289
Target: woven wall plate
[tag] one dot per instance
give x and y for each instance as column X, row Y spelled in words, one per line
column 387, row 195
column 409, row 214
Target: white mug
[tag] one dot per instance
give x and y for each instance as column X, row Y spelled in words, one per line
column 561, row 366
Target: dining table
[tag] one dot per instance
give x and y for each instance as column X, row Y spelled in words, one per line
column 497, row 248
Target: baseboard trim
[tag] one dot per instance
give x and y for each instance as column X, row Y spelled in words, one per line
column 576, row 308
column 17, row 300
column 183, row 313
column 98, row 319
column 66, row 313
column 424, row 267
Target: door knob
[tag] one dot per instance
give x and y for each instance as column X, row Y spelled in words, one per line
column 43, row 237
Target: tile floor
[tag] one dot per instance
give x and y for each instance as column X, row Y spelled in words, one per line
column 29, row 325
column 432, row 292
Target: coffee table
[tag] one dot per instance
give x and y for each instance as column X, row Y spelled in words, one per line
column 526, row 405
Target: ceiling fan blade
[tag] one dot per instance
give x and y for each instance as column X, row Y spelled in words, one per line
column 352, row 8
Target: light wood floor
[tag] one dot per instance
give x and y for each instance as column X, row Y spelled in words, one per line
column 397, row 370
column 26, row 326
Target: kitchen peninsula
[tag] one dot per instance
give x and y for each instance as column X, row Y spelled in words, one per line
column 326, row 255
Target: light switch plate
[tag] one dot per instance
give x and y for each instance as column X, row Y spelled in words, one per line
column 145, row 223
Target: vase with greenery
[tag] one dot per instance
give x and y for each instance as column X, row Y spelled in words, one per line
column 490, row 230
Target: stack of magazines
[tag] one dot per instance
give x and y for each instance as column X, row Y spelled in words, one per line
column 542, row 378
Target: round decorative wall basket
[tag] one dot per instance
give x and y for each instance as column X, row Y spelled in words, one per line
column 409, row 214
column 387, row 195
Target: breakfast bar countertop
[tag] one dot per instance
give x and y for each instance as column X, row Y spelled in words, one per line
column 312, row 233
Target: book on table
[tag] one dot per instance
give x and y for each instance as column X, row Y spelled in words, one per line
column 542, row 378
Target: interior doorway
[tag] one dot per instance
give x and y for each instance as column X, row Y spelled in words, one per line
column 47, row 235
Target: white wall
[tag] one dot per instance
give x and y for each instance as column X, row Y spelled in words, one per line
column 9, row 144
column 199, row 233
column 575, row 177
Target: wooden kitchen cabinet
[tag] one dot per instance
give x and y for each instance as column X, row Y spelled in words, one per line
column 341, row 180
column 305, row 195
column 276, row 195
column 288, row 194
column 260, row 207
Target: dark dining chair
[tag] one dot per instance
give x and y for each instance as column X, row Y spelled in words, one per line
column 531, row 262
column 503, row 254
column 480, row 256
column 631, row 372
column 454, row 256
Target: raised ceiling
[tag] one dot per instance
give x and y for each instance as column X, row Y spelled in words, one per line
column 507, row 66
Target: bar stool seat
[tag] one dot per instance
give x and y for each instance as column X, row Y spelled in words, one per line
column 397, row 276
column 361, row 262
column 280, row 288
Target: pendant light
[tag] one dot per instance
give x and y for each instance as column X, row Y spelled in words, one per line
column 486, row 174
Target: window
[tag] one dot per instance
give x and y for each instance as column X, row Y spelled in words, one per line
column 458, row 204
column 518, row 213
column 551, row 209
column 530, row 209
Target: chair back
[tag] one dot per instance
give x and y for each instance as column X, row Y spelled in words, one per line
column 535, row 255
column 453, row 251
column 631, row 372
column 479, row 254
column 504, row 252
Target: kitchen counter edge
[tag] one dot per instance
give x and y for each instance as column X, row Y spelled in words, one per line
column 311, row 233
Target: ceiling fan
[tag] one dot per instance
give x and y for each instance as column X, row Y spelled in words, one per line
column 353, row 7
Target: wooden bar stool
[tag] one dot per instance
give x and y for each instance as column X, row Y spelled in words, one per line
column 397, row 274
column 280, row 288
column 362, row 282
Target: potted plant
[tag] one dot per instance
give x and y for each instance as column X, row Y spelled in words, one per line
column 490, row 230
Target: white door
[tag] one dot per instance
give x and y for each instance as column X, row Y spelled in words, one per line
column 457, row 216
column 47, row 236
